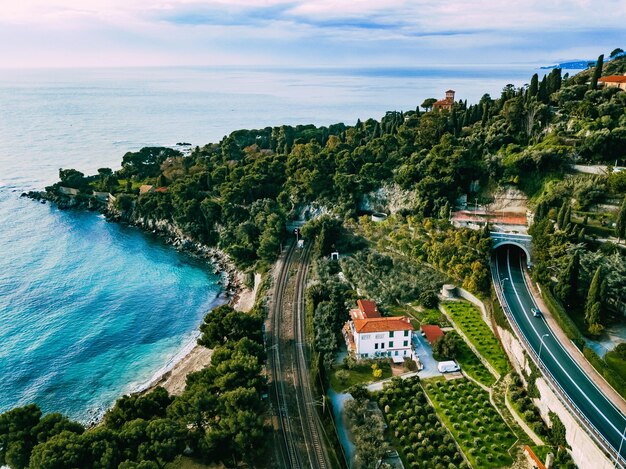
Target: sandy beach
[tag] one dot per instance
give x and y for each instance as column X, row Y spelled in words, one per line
column 199, row 357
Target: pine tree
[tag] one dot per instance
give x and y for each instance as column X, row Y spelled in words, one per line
column 620, row 225
column 597, row 72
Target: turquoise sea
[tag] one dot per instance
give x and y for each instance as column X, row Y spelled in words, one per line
column 90, row 310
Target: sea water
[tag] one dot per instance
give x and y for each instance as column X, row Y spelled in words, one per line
column 90, row 310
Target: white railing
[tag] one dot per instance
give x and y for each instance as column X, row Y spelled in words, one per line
column 559, row 391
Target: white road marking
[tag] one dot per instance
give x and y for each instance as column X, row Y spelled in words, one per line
column 532, row 298
column 619, row 432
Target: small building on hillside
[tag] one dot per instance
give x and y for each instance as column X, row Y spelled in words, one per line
column 445, row 104
column 68, row 191
column 368, row 335
column 432, row 333
column 613, row 81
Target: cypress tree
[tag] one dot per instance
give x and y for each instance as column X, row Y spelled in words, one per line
column 485, row 115
column 567, row 288
column 557, row 80
column 597, row 72
column 542, row 94
column 567, row 218
column 534, row 86
column 620, row 225
column 540, row 212
column 560, row 218
column 581, row 235
column 593, row 304
column 466, row 117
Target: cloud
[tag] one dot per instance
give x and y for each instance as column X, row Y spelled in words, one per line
column 306, row 32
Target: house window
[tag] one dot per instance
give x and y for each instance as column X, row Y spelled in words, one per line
column 382, row 345
column 406, row 333
column 376, row 346
column 405, row 343
column 364, row 355
column 365, row 337
column 390, row 334
column 390, row 343
column 405, row 352
column 380, row 336
column 396, row 353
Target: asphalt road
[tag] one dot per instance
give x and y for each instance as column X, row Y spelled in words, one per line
column 590, row 401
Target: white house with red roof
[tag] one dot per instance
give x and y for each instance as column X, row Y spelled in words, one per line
column 368, row 335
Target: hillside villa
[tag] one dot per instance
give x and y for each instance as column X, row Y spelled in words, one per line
column 613, row 81
column 445, row 104
column 368, row 335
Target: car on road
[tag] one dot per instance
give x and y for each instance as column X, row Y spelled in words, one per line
column 536, row 312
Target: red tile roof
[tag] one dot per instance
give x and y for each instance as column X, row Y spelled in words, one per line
column 368, row 308
column 613, row 79
column 161, row 189
column 397, row 323
column 433, row 333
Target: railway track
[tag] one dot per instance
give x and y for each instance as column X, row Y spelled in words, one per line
column 299, row 429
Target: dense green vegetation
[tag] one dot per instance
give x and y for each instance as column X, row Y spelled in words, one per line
column 238, row 193
column 390, row 280
column 414, row 427
column 468, row 318
column 218, row 417
column 462, row 254
column 478, row 428
column 367, row 427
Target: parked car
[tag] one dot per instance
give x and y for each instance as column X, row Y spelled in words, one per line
column 536, row 312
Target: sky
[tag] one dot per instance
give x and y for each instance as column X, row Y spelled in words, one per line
column 306, row 33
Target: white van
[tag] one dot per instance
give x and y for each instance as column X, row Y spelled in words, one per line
column 449, row 366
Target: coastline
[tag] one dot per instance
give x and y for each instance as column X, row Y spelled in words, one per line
column 194, row 357
column 191, row 357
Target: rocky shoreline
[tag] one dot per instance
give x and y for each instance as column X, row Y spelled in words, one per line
column 232, row 279
column 231, row 282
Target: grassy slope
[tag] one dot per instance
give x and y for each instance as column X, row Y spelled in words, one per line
column 469, row 320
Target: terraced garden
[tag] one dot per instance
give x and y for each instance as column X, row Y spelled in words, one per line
column 472, row 365
column 478, row 428
column 422, row 441
column 468, row 318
